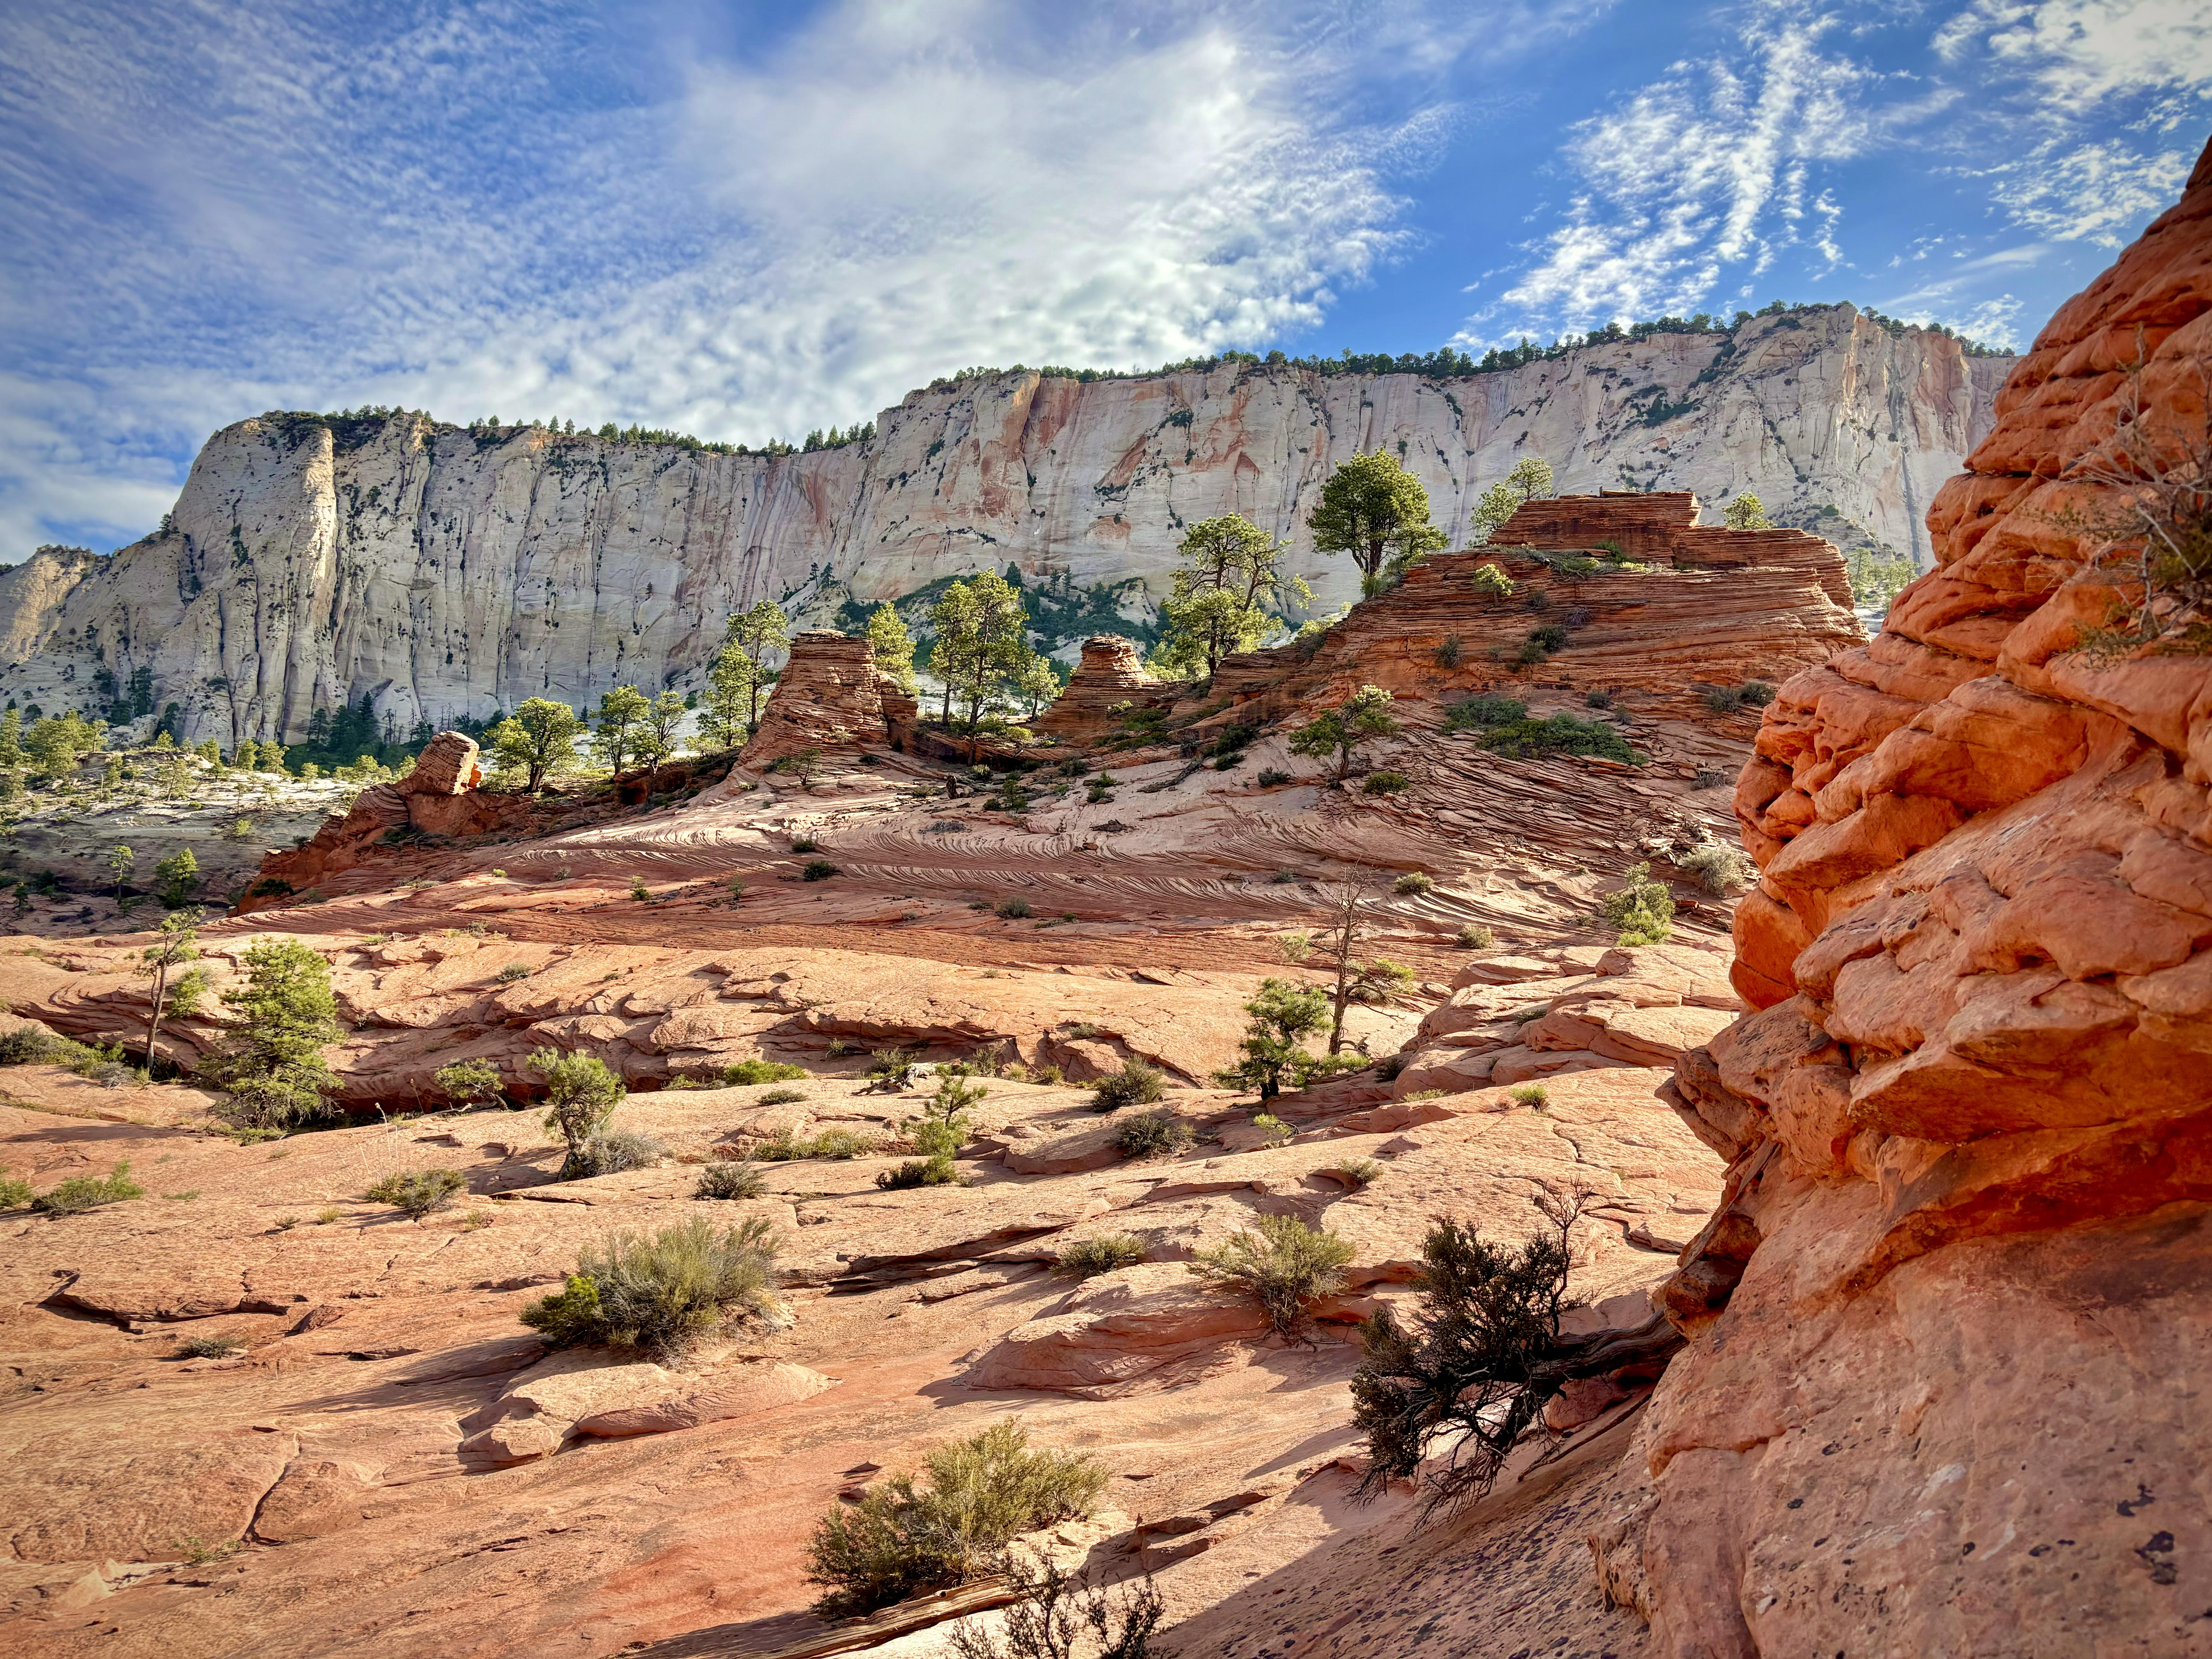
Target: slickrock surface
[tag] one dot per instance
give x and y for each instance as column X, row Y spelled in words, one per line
column 1950, row 1315
column 448, row 573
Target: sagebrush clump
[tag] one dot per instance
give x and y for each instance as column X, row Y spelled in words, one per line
column 418, row 1193
column 1643, row 910
column 949, row 1523
column 1083, row 1258
column 730, row 1181
column 1152, row 1134
column 1286, row 1266
column 661, row 1294
column 1135, row 1085
column 81, row 1193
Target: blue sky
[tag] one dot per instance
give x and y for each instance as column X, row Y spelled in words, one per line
column 747, row 220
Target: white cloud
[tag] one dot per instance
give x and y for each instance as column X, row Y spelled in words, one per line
column 2080, row 53
column 1703, row 171
column 2100, row 191
column 525, row 209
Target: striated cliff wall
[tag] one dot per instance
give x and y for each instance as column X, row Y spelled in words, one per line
column 1952, row 1308
column 444, row 575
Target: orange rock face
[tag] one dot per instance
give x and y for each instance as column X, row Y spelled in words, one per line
column 831, row 697
column 1112, row 671
column 1961, row 1262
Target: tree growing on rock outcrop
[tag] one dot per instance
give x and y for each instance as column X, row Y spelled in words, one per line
column 1282, row 1015
column 539, row 740
column 657, row 737
column 753, row 634
column 725, row 710
column 982, row 644
column 1351, row 925
column 1472, row 1372
column 1746, row 512
column 582, row 1095
column 614, row 740
column 892, row 646
column 178, row 943
column 1530, row 480
column 281, row 1018
column 1231, row 573
column 1374, row 509
column 1339, row 731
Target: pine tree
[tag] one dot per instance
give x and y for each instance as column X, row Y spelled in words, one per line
column 1372, row 508
column 893, row 645
column 1232, row 571
column 755, row 633
column 538, row 740
column 615, row 741
column 281, row 1018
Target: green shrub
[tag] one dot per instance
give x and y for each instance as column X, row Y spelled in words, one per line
column 892, row 1069
column 1448, row 653
column 81, row 1193
column 1755, row 694
column 1490, row 582
column 1644, row 910
column 1272, row 777
column 937, row 1171
column 24, row 1046
column 1386, row 783
column 639, row 891
column 1721, row 867
column 1083, row 1258
column 1598, row 700
column 418, row 1193
column 818, row 870
column 1477, row 713
column 746, row 1073
column 14, row 1191
column 1414, row 882
column 904, row 1537
column 1135, row 1085
column 1360, row 1171
column 1278, row 1133
column 1531, row 1094
column 1052, row 1605
column 1474, row 937
column 661, row 1294
column 514, row 972
column 780, row 1098
column 613, row 1154
column 1012, row 910
column 210, row 1345
column 1284, row 1267
column 784, row 1147
column 805, row 844
column 1152, row 1134
column 730, row 1181
column 467, row 1082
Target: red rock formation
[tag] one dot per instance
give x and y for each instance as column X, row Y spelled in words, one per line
column 831, row 696
column 1663, row 525
column 439, row 797
column 1957, row 1293
column 1667, row 631
column 1112, row 671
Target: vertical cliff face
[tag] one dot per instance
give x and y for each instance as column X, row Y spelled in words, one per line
column 1952, row 1308
column 444, row 573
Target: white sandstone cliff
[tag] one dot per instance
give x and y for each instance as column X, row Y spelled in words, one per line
column 446, row 575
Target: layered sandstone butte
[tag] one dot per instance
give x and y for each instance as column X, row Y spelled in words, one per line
column 1663, row 525
column 831, row 696
column 1954, row 1308
column 1109, row 680
column 444, row 574
column 1676, row 631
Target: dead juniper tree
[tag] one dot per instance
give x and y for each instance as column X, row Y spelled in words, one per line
column 1473, row 1374
column 2149, row 526
column 1061, row 1616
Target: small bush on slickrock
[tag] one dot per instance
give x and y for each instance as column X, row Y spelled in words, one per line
column 1285, row 1268
column 906, row 1537
column 730, row 1181
column 418, row 1193
column 81, row 1192
column 1722, row 868
column 1152, row 1134
column 1644, row 910
column 213, row 1345
column 1475, row 936
column 615, row 1154
column 1135, row 1085
column 1412, row 884
column 746, row 1073
column 661, row 1294
column 1083, row 1258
